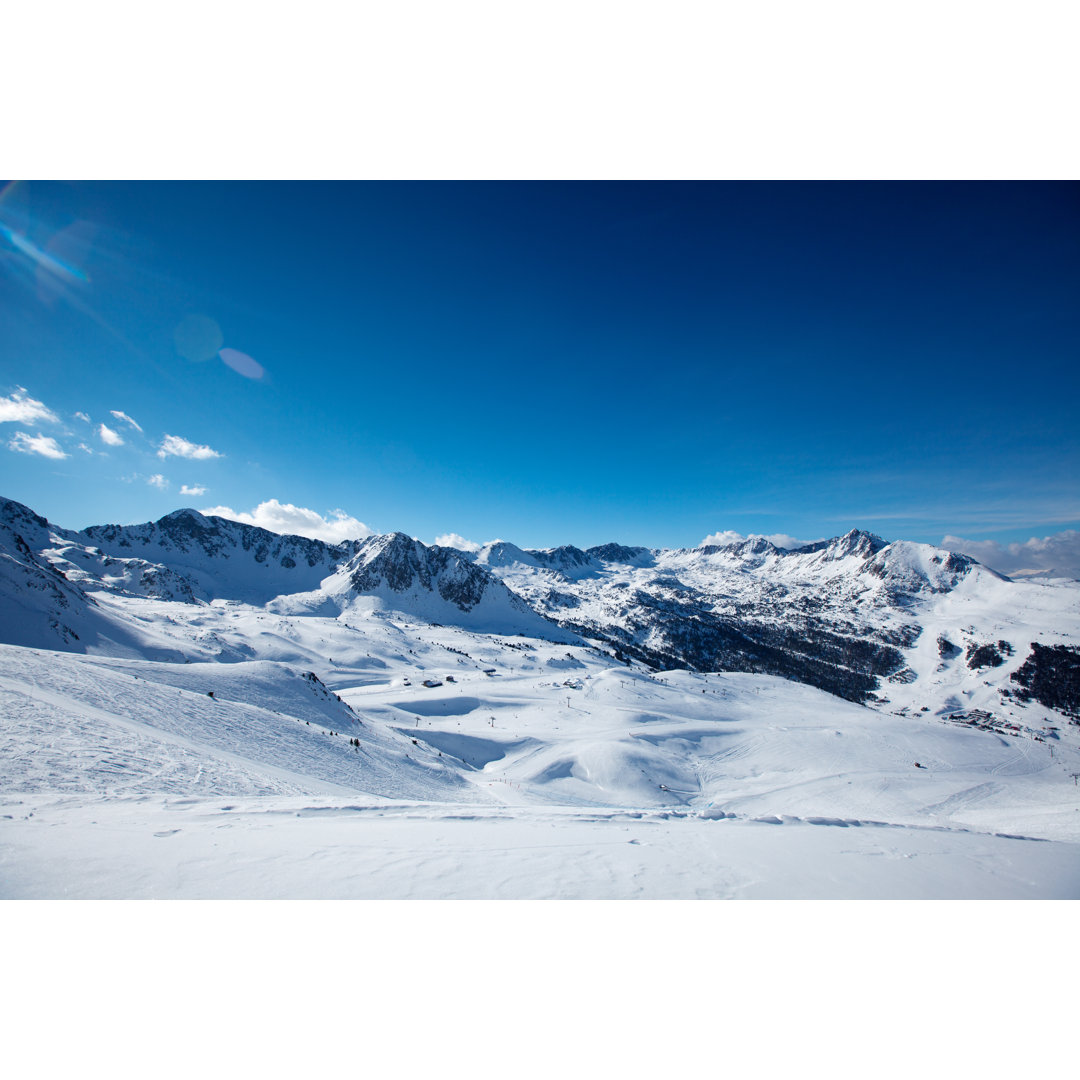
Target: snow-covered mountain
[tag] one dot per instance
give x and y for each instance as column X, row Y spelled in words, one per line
column 856, row 616
column 504, row 703
column 186, row 556
column 39, row 604
column 189, row 558
column 438, row 584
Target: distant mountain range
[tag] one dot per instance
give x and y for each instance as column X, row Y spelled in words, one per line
column 900, row 625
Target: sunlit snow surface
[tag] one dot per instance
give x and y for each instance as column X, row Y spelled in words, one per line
column 122, row 777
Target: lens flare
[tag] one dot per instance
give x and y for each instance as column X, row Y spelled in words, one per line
column 7, row 188
column 242, row 364
column 43, row 259
column 198, row 338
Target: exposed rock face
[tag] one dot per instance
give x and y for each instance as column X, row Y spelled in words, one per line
column 856, row 542
column 744, row 549
column 618, row 553
column 402, row 563
column 567, row 557
column 440, row 584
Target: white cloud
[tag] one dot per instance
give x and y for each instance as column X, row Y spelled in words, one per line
column 722, row 539
column 194, row 489
column 298, row 520
column 1058, row 553
column 127, row 419
column 783, row 540
column 158, row 481
column 109, row 437
column 21, row 409
column 454, row 540
column 177, row 447
column 729, row 536
column 82, row 416
column 36, row 444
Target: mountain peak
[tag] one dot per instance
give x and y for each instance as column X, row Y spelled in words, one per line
column 617, row 553
column 18, row 517
column 188, row 522
column 855, row 542
column 739, row 549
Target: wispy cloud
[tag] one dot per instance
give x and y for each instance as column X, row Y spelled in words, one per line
column 20, row 408
column 82, row 416
column 1023, row 513
column 455, row 540
column 43, row 445
column 109, row 437
column 175, row 446
column 158, row 481
column 194, row 489
column 1059, row 553
column 127, row 419
column 297, row 520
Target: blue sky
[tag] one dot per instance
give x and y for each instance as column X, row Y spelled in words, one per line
column 547, row 363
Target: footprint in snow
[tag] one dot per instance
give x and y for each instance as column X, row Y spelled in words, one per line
column 167, row 832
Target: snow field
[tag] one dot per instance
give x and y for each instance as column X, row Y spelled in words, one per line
column 124, row 778
column 327, row 848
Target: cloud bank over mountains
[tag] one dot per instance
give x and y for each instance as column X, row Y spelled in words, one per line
column 1057, row 554
column 298, row 520
column 729, row 536
column 457, row 541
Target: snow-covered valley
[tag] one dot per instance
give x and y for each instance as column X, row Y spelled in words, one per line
column 196, row 708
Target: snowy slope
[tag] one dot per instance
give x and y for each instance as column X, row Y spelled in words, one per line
column 126, row 779
column 74, row 724
column 414, row 715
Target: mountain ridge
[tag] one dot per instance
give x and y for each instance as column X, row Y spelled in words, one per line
column 852, row 615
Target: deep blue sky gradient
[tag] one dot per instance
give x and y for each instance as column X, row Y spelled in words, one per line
column 560, row 363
